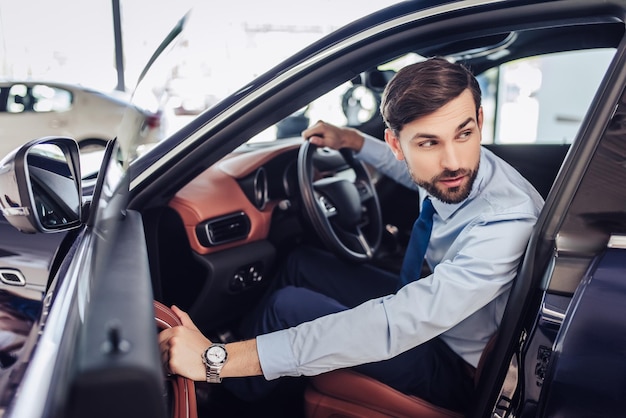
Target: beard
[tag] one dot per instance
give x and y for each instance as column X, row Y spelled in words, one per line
column 449, row 195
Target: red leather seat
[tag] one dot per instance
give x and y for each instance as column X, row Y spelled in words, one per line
column 348, row 394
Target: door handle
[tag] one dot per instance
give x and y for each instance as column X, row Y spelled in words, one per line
column 12, row 277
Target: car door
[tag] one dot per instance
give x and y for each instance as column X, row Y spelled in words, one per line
column 93, row 349
column 572, row 357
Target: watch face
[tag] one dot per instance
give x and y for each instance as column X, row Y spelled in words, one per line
column 216, row 355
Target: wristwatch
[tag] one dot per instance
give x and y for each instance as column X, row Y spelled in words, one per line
column 214, row 359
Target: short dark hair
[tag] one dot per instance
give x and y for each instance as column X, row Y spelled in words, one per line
column 422, row 88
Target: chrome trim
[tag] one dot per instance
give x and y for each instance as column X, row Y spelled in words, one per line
column 617, row 241
column 4, row 277
column 550, row 315
column 15, row 211
column 280, row 78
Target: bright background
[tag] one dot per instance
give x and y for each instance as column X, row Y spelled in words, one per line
column 72, row 40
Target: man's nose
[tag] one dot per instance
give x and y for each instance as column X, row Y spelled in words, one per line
column 450, row 158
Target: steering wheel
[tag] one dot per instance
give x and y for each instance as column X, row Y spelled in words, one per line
column 345, row 214
column 183, row 390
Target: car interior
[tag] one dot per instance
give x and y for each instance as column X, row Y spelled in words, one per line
column 217, row 236
column 208, row 225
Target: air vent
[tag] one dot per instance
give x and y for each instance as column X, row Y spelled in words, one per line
column 224, row 229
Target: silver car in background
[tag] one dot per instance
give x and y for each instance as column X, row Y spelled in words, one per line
column 32, row 109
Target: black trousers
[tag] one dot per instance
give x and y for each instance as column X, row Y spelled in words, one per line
column 314, row 283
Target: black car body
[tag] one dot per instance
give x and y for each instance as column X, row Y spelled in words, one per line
column 202, row 220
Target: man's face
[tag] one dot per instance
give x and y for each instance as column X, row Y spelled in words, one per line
column 442, row 149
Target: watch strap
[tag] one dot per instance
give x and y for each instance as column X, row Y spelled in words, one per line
column 213, row 375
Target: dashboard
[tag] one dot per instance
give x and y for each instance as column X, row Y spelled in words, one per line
column 231, row 203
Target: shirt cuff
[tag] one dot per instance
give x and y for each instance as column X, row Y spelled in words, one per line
column 275, row 355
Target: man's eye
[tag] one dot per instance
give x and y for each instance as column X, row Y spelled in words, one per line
column 465, row 134
column 427, row 144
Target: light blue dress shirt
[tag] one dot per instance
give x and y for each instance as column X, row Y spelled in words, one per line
column 474, row 252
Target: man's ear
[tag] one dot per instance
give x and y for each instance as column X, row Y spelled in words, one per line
column 480, row 118
column 394, row 143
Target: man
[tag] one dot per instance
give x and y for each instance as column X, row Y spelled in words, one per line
column 421, row 336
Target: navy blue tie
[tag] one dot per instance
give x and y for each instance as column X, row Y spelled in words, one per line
column 415, row 251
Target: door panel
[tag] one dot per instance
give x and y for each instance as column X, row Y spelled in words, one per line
column 587, row 366
column 118, row 365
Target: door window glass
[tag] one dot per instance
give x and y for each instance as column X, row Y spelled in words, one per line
column 536, row 100
column 541, row 99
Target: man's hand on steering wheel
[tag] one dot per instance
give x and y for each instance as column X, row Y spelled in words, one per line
column 325, row 134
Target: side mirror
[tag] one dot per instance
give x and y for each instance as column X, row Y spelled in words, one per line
column 40, row 186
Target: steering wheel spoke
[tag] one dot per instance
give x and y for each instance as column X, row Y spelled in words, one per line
column 357, row 240
column 362, row 241
column 346, row 215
